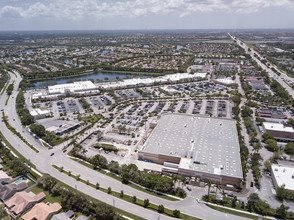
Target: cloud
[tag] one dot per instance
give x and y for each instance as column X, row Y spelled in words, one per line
column 76, row 9
column 10, row 12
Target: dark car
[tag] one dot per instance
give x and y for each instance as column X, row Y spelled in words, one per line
column 51, row 154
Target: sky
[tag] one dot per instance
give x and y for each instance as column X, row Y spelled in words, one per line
column 145, row 14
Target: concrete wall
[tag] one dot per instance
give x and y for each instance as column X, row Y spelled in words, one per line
column 158, row 158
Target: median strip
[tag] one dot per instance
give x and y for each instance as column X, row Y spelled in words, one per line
column 13, row 130
column 128, row 198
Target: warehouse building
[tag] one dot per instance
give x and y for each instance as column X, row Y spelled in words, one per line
column 80, row 88
column 194, row 146
column 281, row 132
column 283, row 175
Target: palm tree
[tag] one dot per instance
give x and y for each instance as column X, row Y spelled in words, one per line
column 217, row 186
column 208, row 183
column 175, row 179
column 84, row 151
column 183, row 180
column 223, row 194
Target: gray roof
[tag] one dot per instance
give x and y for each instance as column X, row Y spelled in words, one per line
column 60, row 216
column 210, row 142
column 82, row 217
column 8, row 190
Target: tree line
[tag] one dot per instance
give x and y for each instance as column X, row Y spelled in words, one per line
column 131, row 172
column 77, row 202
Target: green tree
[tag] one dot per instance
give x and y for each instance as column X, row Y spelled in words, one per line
column 272, row 145
column 281, row 193
column 17, row 167
column 267, row 136
column 146, row 203
column 281, row 212
column 134, row 199
column 3, row 214
column 208, row 184
column 291, row 121
column 260, row 120
column 109, row 190
column 177, row 213
column 121, row 194
column 97, row 185
column 261, row 207
column 39, row 130
column 289, row 149
column 161, row 209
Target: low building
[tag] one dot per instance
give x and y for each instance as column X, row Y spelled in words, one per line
column 283, row 175
column 225, row 81
column 194, row 146
column 169, row 90
column 42, row 211
column 271, row 113
column 60, row 127
column 79, row 88
column 281, row 132
column 161, row 80
column 8, row 190
column 39, row 113
column 63, row 215
column 255, row 83
column 22, row 201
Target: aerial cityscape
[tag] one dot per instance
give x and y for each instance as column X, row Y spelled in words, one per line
column 146, row 109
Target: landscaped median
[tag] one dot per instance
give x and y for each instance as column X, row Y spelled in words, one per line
column 132, row 199
column 235, row 211
column 13, row 130
column 135, row 186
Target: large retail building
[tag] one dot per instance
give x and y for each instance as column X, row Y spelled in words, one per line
column 194, row 146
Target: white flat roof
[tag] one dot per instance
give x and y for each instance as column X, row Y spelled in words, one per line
column 72, row 87
column 166, row 78
column 38, row 111
column 204, row 144
column 277, row 127
column 226, row 81
column 284, row 175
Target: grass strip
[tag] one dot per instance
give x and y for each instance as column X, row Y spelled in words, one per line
column 13, row 130
column 232, row 212
column 125, row 197
column 31, row 173
column 6, row 102
column 130, row 184
column 7, row 83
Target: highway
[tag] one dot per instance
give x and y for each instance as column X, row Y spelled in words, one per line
column 43, row 162
column 271, row 73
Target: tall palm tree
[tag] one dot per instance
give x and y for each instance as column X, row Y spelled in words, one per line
column 217, row 186
column 209, row 184
column 223, row 194
column 175, row 179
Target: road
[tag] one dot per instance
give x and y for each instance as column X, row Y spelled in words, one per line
column 271, row 73
column 43, row 162
column 267, row 191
